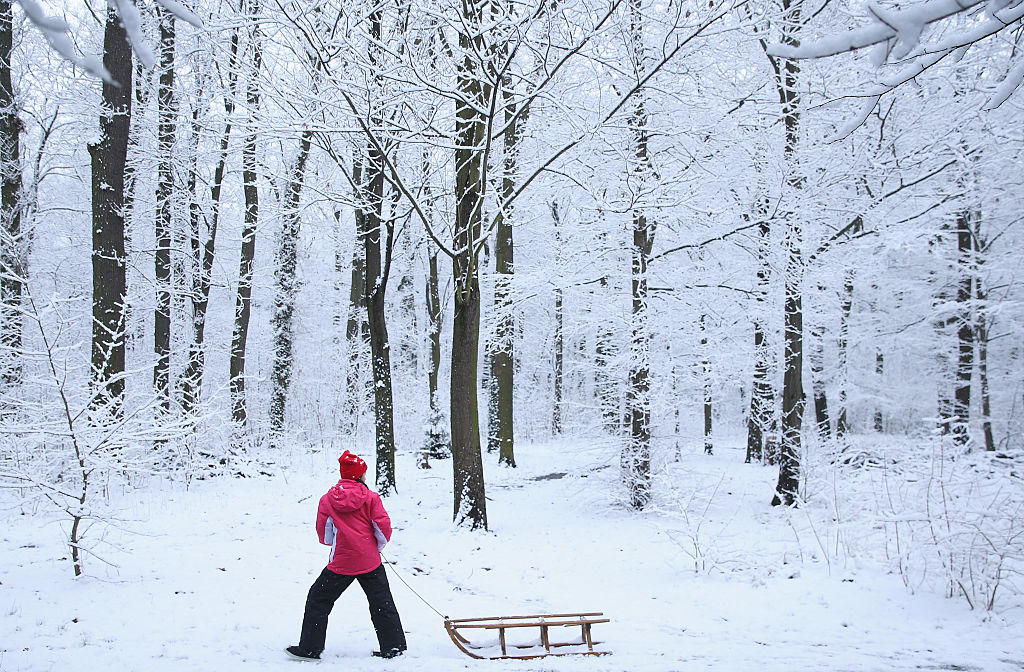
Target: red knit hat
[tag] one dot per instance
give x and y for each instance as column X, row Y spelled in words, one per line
column 351, row 466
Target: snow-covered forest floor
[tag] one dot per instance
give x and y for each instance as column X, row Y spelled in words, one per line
column 213, row 577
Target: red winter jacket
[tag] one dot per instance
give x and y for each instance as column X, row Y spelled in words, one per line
column 351, row 520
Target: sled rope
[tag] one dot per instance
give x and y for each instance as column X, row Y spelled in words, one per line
column 423, row 599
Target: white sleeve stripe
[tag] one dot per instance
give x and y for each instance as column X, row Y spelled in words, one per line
column 382, row 541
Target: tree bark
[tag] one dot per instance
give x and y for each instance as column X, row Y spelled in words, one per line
column 287, row 286
column 708, row 387
column 109, row 157
column 762, row 397
column 12, row 263
column 250, row 190
column 502, row 355
column 846, row 306
column 817, row 357
column 965, row 330
column 470, row 503
column 378, row 243
column 559, row 335
column 637, row 452
column 879, row 419
column 356, row 327
column 166, row 111
column 204, row 243
column 787, row 489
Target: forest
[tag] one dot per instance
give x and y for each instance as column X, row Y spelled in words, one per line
column 439, row 233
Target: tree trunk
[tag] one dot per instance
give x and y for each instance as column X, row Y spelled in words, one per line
column 12, row 266
column 637, row 452
column 438, row 441
column 965, row 331
column 378, row 249
column 287, row 286
column 374, row 243
column 109, row 157
column 356, row 327
column 818, row 382
column 787, row 490
column 604, row 380
column 982, row 326
column 502, row 353
column 204, row 244
column 762, row 397
column 470, row 501
column 559, row 336
column 842, row 357
column 879, row 419
column 250, row 189
column 166, row 111
column 708, row 387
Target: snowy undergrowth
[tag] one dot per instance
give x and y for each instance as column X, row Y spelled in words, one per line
column 214, row 577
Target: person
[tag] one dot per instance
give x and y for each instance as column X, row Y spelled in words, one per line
column 351, row 520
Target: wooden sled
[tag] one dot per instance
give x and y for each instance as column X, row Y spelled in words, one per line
column 499, row 648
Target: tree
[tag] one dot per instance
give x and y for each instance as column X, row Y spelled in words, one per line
column 203, row 235
column 109, row 156
column 12, row 256
column 250, row 188
column 286, row 286
column 167, row 110
column 637, row 453
column 787, row 72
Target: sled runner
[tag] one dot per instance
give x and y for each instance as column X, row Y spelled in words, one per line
column 508, row 645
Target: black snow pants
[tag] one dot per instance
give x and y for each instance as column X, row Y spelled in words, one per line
column 326, row 590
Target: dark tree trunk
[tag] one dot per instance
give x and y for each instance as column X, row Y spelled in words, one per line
column 982, row 327
column 762, row 398
column 605, row 382
column 787, row 490
column 559, row 335
column 250, row 190
column 204, row 243
column 637, row 452
column 469, row 492
column 502, row 353
column 879, row 419
column 965, row 331
column 109, row 157
column 287, row 286
column 356, row 327
column 166, row 111
column 12, row 266
column 708, row 387
column 846, row 306
column 437, row 442
column 378, row 243
column 821, row 417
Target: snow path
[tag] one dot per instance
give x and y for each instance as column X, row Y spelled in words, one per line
column 214, row 578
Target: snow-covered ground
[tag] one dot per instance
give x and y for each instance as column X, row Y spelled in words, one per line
column 214, row 577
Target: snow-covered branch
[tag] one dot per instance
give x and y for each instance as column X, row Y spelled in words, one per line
column 896, row 34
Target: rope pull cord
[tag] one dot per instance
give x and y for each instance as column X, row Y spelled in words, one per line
column 400, row 578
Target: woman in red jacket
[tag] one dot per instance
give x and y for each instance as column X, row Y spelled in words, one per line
column 351, row 520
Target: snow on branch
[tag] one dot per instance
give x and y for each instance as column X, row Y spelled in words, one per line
column 58, row 33
column 896, row 36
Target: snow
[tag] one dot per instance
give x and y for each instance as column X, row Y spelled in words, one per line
column 214, row 577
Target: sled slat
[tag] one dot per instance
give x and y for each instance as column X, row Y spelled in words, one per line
column 536, row 649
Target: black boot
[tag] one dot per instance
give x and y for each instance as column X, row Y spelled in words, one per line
column 298, row 654
column 390, row 653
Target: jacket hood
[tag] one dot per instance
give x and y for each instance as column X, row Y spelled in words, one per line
column 348, row 495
